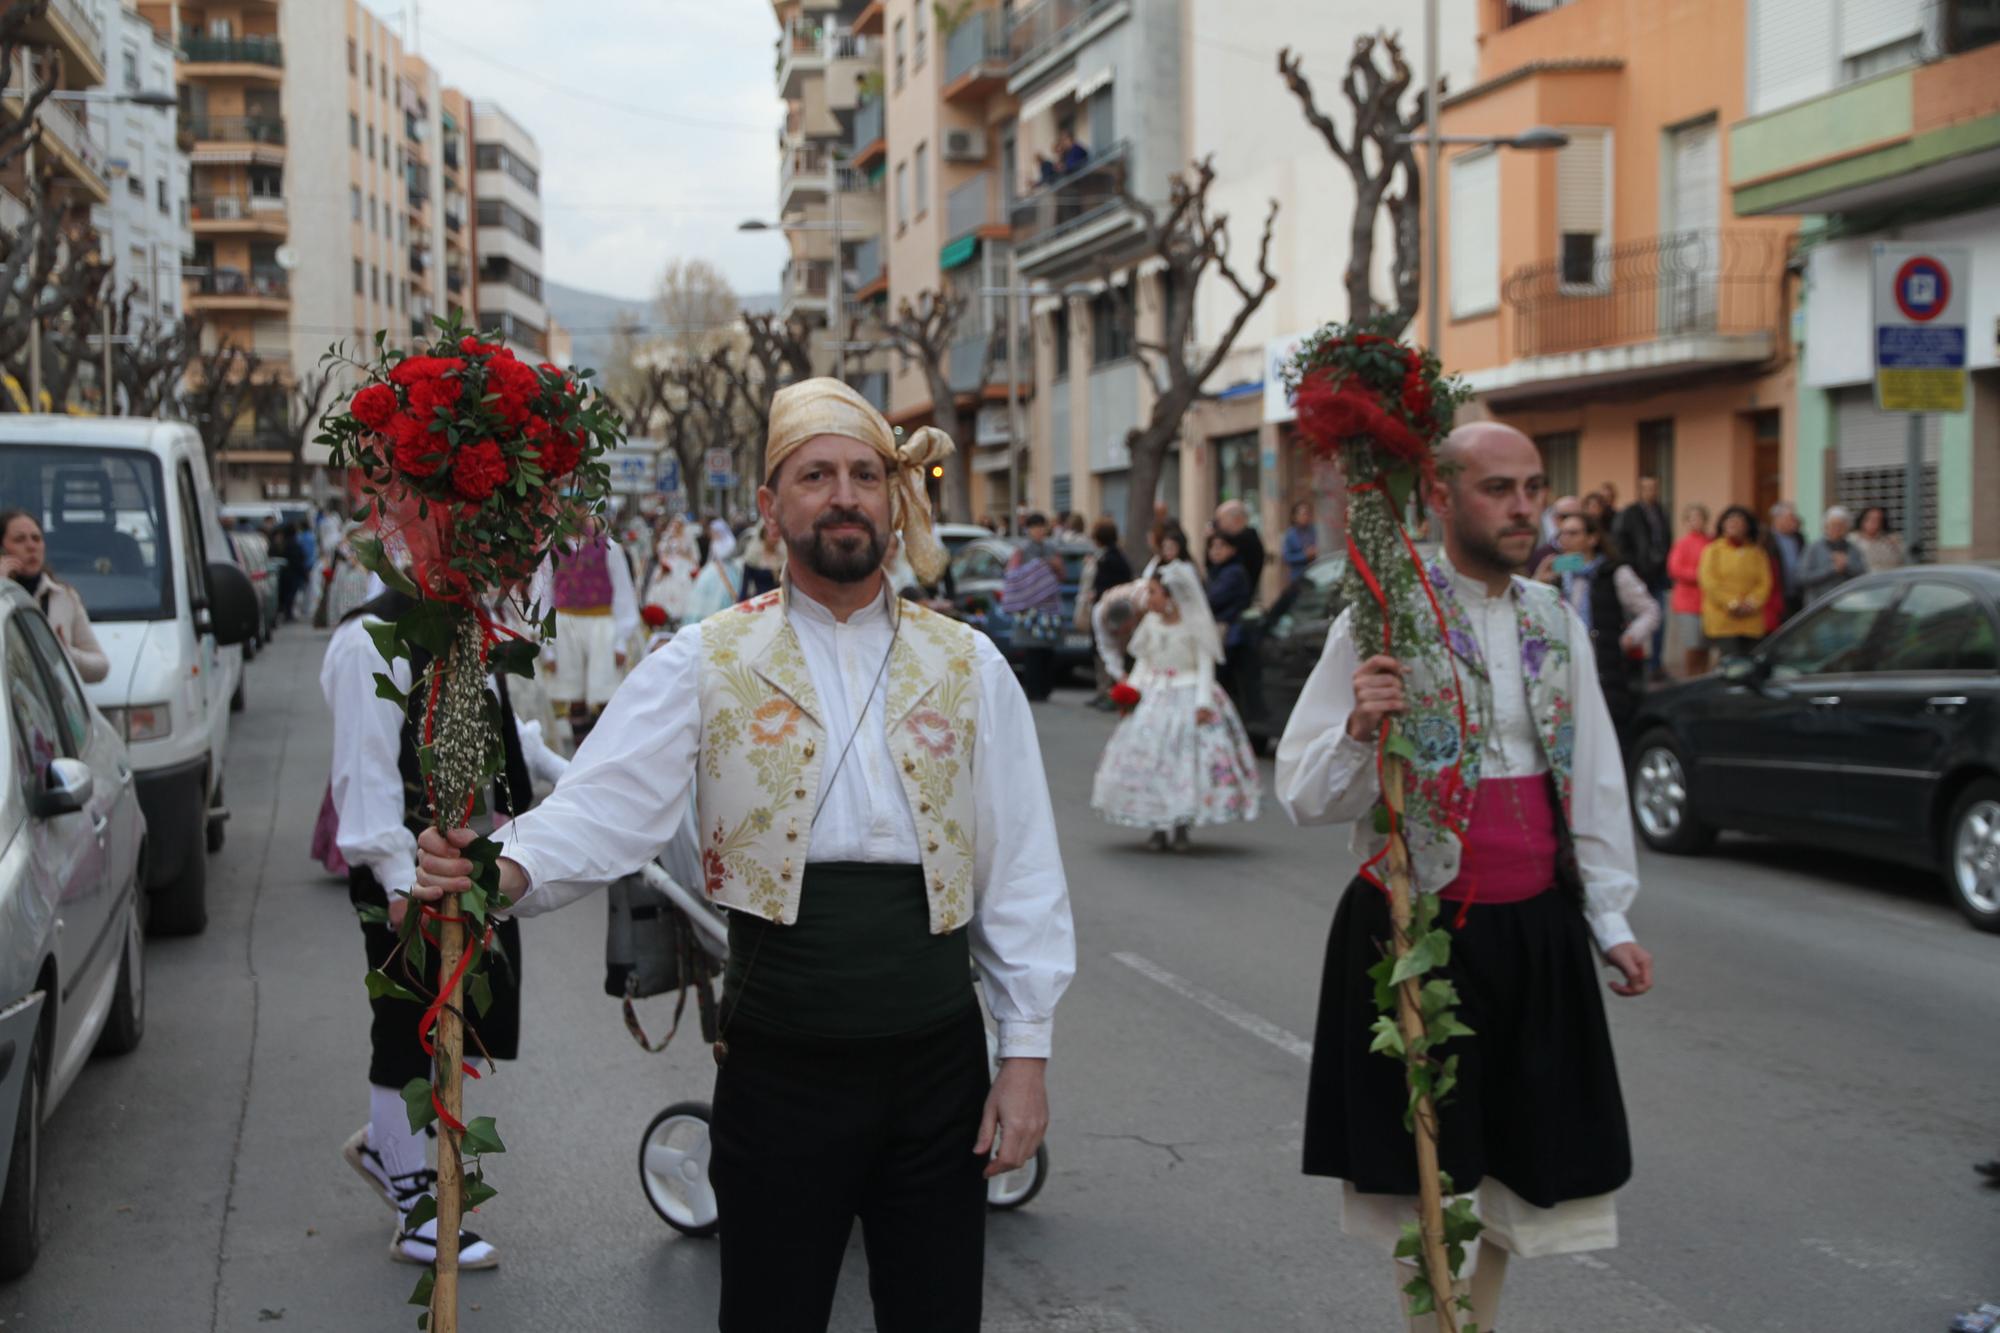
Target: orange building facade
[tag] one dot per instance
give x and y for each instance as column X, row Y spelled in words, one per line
column 1604, row 297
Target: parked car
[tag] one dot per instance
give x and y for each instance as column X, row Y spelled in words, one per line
column 953, row 537
column 1871, row 723
column 1288, row 637
column 72, row 840
column 131, row 523
column 977, row 572
column 253, row 553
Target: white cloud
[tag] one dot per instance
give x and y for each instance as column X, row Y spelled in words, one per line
column 625, row 190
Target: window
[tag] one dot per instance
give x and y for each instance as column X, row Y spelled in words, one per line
column 351, row 53
column 354, row 197
column 102, row 515
column 373, row 214
column 353, row 130
column 1831, row 637
column 1110, row 334
column 374, row 283
column 134, row 186
column 493, row 157
column 360, row 279
column 899, row 55
column 371, row 143
column 1583, row 206
column 1559, row 461
column 923, row 179
column 1475, row 235
column 131, row 70
column 1059, row 330
column 902, row 195
column 1103, row 121
column 922, row 41
column 368, row 68
column 38, row 737
column 160, row 194
column 72, row 713
column 1938, row 627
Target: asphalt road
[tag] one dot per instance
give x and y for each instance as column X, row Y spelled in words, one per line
column 1809, row 1086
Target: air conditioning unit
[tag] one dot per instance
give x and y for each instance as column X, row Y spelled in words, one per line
column 965, row 145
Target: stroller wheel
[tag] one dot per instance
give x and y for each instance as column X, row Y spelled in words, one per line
column 1014, row 1189
column 673, row 1167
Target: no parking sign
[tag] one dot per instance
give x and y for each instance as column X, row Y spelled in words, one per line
column 1920, row 327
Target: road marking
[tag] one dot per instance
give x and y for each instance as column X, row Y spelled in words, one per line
column 1262, row 1028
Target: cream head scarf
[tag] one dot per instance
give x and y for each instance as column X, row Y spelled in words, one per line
column 810, row 408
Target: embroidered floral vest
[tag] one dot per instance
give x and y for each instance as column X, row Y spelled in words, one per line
column 583, row 578
column 763, row 741
column 1446, row 774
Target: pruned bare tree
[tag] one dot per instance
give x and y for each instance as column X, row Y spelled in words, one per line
column 152, row 362
column 776, row 352
column 1188, row 241
column 287, row 413
column 222, row 381
column 696, row 305
column 922, row 332
column 1375, row 152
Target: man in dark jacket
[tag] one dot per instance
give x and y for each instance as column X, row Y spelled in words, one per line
column 1643, row 538
column 1232, row 520
column 1229, row 596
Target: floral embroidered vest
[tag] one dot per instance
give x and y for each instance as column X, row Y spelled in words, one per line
column 1444, row 774
column 763, row 741
column 583, row 578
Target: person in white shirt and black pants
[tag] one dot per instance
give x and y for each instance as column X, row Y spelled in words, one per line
column 1541, row 871
column 875, row 817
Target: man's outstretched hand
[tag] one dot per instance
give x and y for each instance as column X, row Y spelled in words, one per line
column 1636, row 964
column 441, row 868
column 1017, row 1115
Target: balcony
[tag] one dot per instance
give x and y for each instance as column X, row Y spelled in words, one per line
column 1074, row 214
column 805, row 171
column 261, row 288
column 451, row 157
column 454, row 222
column 1047, row 31
column 804, row 289
column 254, row 57
column 73, row 154
column 806, row 47
column 518, row 333
column 980, row 358
column 454, row 280
column 868, row 272
column 238, row 129
column 420, row 259
column 972, row 209
column 1663, row 308
column 976, row 58
column 868, row 145
column 238, row 213
column 1899, row 138
column 70, row 27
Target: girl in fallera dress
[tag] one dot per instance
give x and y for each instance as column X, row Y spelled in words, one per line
column 1180, row 757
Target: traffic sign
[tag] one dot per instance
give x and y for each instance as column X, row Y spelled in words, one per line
column 669, row 479
column 721, row 468
column 1920, row 315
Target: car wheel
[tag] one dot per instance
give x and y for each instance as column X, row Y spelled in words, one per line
column 236, row 700
column 181, row 908
column 1663, row 799
column 21, row 1206
column 218, row 830
column 127, row 1023
column 1972, row 854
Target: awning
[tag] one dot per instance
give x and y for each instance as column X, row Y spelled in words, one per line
column 959, row 253
column 1048, row 97
column 1091, row 82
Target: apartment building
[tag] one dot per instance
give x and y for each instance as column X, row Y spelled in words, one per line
column 1867, row 122
column 1605, row 297
column 830, row 195
column 143, row 227
column 507, row 195
column 948, row 161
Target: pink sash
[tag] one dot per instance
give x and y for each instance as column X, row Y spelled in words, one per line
column 1510, row 843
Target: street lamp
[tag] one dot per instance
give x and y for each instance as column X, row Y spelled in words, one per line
column 157, row 100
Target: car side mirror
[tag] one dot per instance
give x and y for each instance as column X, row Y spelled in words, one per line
column 66, row 787
column 232, row 603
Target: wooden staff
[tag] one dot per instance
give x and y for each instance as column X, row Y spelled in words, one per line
column 1410, row 1017
column 449, row 1036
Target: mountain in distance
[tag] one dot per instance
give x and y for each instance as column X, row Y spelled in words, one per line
column 592, row 318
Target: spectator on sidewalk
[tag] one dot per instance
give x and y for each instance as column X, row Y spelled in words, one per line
column 1229, row 596
column 1684, row 568
column 1881, row 548
column 1031, row 595
column 1644, row 535
column 1833, row 559
column 24, row 559
column 1551, row 543
column 1788, row 541
column 1109, row 569
column 1232, row 520
column 1736, row 581
column 1615, row 606
column 1301, row 545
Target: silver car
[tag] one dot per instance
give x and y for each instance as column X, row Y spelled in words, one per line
column 72, row 931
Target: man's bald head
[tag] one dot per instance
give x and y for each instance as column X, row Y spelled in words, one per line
column 1232, row 517
column 1477, row 437
column 1490, row 492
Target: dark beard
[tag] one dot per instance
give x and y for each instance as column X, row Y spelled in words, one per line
column 1486, row 550
column 832, row 561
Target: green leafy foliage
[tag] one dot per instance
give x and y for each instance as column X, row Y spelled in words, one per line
column 481, row 1137
column 381, row 986
column 417, row 1097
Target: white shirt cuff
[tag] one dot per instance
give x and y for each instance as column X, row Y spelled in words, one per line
column 1022, row 1038
column 395, row 877
column 1611, row 930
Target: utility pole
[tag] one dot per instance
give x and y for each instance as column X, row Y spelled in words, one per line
column 1433, row 289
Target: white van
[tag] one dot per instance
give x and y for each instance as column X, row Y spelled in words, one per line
column 130, row 516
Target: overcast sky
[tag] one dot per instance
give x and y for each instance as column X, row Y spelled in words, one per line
column 657, row 121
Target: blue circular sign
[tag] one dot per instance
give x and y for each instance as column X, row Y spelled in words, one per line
column 1923, row 288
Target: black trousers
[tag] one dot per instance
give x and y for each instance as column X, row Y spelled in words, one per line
column 1038, row 672
column 810, row 1135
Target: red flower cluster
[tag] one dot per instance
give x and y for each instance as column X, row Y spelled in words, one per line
column 654, row 615
column 1124, row 696
column 477, row 469
column 1356, row 384
column 1334, row 409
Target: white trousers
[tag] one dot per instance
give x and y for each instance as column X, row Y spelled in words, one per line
column 1571, row 1227
column 587, row 668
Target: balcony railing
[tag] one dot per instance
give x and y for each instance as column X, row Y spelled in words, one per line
column 977, row 45
column 866, row 268
column 970, row 206
column 1091, row 191
column 807, row 162
column 259, row 281
column 239, row 129
column 79, row 17
column 454, row 280
column 874, row 386
column 451, row 154
column 867, row 124
column 1708, row 281
column 68, row 130
column 420, row 259
column 804, row 282
column 1039, row 26
column 200, row 48
column 454, row 222
column 979, row 357
column 236, row 206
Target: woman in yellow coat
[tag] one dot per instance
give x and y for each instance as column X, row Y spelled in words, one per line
column 1735, row 580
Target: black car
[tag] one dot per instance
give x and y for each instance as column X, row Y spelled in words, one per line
column 980, row 568
column 1871, row 722
column 1286, row 640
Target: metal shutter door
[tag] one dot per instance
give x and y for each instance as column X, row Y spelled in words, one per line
column 1868, row 24
column 1475, row 233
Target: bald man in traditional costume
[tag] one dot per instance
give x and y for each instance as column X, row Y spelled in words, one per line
column 874, row 815
column 1543, row 875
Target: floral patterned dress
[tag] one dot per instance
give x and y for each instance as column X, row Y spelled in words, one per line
column 1163, row 767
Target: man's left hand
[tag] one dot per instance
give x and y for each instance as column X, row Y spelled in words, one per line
column 1016, row 1117
column 1636, row 964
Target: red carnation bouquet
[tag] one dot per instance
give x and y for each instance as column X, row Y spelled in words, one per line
column 1357, row 382
column 475, row 466
column 1124, row 696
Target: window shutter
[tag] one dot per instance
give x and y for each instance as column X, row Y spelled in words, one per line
column 1475, row 233
column 1697, row 199
column 1792, row 52
column 1583, row 183
column 1868, row 24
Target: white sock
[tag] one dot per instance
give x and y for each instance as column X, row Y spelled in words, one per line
column 389, row 1132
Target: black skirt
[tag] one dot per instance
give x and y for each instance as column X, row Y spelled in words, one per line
column 1537, row 1105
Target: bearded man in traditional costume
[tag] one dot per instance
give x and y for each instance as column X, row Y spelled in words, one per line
column 874, row 815
column 1542, row 872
